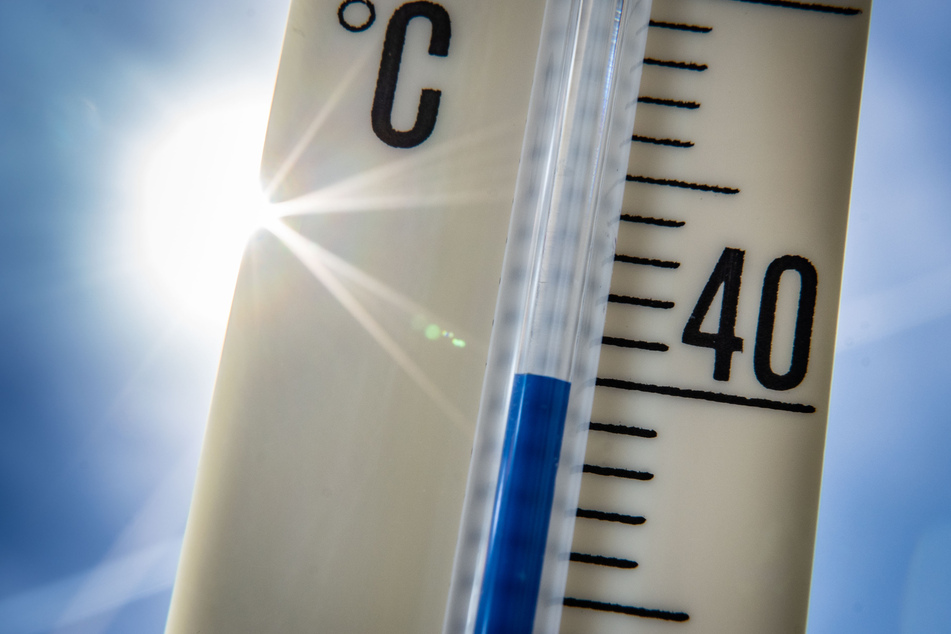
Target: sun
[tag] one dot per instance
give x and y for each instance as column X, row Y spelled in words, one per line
column 201, row 201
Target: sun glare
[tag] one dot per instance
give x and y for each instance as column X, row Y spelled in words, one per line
column 202, row 201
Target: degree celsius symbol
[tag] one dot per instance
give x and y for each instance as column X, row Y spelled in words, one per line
column 390, row 60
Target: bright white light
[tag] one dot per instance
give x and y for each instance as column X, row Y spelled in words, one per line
column 202, row 201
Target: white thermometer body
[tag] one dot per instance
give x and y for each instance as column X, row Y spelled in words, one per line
column 334, row 471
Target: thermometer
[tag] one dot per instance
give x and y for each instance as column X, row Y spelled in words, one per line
column 352, row 477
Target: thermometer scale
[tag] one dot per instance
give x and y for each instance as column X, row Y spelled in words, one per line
column 335, row 465
column 699, row 501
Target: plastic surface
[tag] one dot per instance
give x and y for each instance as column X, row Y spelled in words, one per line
column 335, row 465
column 698, row 505
column 335, row 460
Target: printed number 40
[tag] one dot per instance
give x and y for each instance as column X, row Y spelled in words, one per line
column 724, row 341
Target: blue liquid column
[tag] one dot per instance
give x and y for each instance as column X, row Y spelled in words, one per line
column 523, row 502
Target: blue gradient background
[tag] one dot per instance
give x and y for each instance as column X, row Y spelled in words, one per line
column 104, row 388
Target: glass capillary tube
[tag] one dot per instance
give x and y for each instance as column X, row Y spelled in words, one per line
column 543, row 356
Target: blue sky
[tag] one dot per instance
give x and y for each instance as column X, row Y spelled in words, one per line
column 105, row 382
